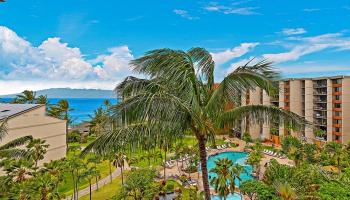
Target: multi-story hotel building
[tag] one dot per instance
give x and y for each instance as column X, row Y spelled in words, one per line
column 323, row 101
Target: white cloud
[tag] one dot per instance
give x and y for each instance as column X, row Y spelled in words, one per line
column 293, row 31
column 232, row 9
column 185, row 14
column 55, row 61
column 229, row 54
column 307, row 45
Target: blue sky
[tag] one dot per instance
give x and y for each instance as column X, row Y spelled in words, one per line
column 88, row 44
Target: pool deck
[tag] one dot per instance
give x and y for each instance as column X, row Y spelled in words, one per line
column 176, row 170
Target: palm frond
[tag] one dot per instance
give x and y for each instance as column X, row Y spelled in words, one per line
column 261, row 114
column 3, row 129
column 12, row 153
column 17, row 142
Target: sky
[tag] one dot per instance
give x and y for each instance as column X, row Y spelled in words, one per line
column 89, row 44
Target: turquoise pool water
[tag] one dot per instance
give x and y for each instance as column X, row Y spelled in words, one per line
column 237, row 158
column 234, row 196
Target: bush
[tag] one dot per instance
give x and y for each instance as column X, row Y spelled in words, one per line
column 246, row 137
column 74, row 136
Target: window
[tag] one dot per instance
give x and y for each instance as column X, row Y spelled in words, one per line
column 337, row 89
column 336, row 113
column 337, row 97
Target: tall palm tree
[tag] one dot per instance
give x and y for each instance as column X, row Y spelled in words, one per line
column 335, row 150
column 61, row 110
column 119, row 161
column 36, row 150
column 27, row 96
column 224, row 182
column 98, row 121
column 42, row 99
column 179, row 96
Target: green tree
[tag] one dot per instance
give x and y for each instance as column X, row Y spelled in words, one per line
column 120, row 161
column 98, row 121
column 10, row 149
column 179, row 96
column 36, row 149
column 257, row 190
column 139, row 185
column 254, row 159
column 27, row 96
column 333, row 191
column 285, row 191
column 42, row 99
column 89, row 174
column 335, row 150
column 224, row 182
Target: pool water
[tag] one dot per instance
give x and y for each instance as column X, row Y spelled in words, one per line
column 237, row 158
column 234, row 196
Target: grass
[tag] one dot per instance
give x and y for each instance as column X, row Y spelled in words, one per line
column 66, row 187
column 106, row 191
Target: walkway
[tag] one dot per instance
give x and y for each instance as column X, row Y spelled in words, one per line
column 101, row 183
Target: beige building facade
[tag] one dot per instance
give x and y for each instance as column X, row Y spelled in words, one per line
column 31, row 119
column 323, row 101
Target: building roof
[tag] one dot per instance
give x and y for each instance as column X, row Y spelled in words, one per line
column 9, row 110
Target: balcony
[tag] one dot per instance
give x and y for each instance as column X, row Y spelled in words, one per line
column 322, row 93
column 320, row 85
column 336, row 101
column 337, row 109
column 337, row 125
column 337, row 133
column 337, row 117
column 337, row 93
column 319, row 108
column 336, row 85
column 319, row 116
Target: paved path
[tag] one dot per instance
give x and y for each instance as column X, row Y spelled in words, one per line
column 101, row 183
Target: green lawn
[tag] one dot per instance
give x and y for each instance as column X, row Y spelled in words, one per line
column 105, row 192
column 66, row 187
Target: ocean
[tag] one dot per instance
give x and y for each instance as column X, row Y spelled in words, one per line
column 82, row 107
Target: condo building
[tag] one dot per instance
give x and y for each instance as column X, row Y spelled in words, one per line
column 323, row 101
column 31, row 119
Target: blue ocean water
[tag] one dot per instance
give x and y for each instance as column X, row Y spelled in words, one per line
column 82, row 107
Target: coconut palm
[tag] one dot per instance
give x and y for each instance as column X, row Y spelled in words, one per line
column 42, row 99
column 36, row 150
column 179, row 96
column 119, row 161
column 285, row 191
column 98, row 121
column 10, row 148
column 226, row 174
column 89, row 174
column 335, row 150
column 27, row 96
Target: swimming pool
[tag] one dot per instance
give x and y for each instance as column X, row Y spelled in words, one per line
column 234, row 196
column 237, row 158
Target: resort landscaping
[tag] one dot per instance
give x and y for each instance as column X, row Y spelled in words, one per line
column 172, row 136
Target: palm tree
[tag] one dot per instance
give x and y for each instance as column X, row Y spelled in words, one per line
column 285, row 191
column 224, row 182
column 98, row 121
column 119, row 161
column 27, row 96
column 42, row 99
column 9, row 149
column 89, row 174
column 335, row 150
column 254, row 159
column 36, row 150
column 179, row 96
column 61, row 110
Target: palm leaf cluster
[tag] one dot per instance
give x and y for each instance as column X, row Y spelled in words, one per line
column 178, row 95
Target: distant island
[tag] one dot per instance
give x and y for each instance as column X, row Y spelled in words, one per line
column 71, row 93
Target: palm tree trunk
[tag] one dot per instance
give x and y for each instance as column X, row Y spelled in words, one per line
column 203, row 159
column 164, row 163
column 110, row 170
column 338, row 162
column 121, row 173
column 90, row 188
